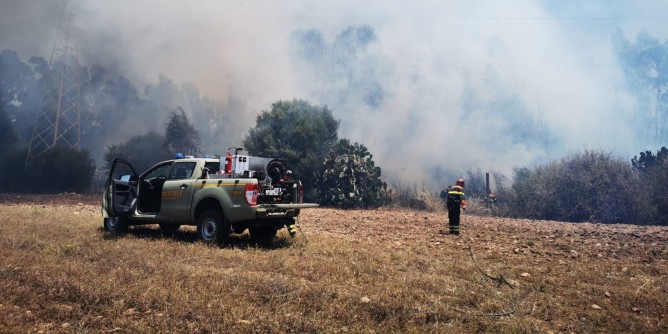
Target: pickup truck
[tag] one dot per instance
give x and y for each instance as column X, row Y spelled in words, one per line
column 219, row 196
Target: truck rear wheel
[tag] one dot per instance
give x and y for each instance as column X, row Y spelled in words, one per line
column 115, row 225
column 210, row 227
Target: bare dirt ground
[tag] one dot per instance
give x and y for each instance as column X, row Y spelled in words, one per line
column 544, row 239
column 561, row 277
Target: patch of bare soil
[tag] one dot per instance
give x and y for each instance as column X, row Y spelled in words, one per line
column 541, row 239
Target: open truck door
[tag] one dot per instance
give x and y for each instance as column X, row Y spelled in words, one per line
column 121, row 189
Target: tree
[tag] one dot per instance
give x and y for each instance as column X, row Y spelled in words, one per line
column 8, row 137
column 349, row 178
column 653, row 172
column 645, row 66
column 143, row 151
column 648, row 161
column 297, row 132
column 20, row 91
column 58, row 169
column 350, row 59
column 181, row 135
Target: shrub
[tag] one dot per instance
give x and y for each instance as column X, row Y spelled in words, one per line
column 653, row 172
column 57, row 169
column 350, row 179
column 585, row 186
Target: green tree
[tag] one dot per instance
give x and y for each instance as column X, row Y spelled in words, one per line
column 13, row 176
column 8, row 137
column 297, row 132
column 653, row 172
column 648, row 161
column 143, row 151
column 181, row 135
column 58, row 169
column 350, row 179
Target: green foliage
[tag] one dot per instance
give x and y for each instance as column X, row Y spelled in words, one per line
column 8, row 136
column 648, row 161
column 653, row 172
column 56, row 170
column 12, row 171
column 297, row 132
column 181, row 135
column 586, row 186
column 143, row 151
column 349, row 178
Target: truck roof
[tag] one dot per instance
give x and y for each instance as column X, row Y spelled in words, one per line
column 194, row 160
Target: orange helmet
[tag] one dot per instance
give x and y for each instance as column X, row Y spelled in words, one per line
column 460, row 182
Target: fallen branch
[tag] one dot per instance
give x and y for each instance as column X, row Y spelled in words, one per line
column 499, row 280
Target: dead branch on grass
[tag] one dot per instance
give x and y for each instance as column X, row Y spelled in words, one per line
column 499, row 280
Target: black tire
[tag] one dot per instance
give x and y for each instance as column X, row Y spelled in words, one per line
column 169, row 229
column 263, row 235
column 115, row 225
column 211, row 227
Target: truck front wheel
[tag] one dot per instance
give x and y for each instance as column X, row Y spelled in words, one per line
column 210, row 227
column 115, row 225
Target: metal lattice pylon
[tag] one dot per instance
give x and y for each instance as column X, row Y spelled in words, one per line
column 57, row 121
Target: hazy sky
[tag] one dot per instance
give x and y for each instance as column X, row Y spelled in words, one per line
column 441, row 65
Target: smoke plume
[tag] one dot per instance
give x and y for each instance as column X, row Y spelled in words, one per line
column 428, row 86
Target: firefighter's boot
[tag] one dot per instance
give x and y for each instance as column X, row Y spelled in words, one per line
column 454, row 229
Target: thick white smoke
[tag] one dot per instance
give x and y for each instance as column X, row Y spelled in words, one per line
column 462, row 82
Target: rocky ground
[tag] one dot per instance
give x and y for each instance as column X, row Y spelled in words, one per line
column 544, row 239
column 562, row 277
column 505, row 235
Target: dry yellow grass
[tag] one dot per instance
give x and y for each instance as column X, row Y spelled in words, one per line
column 382, row 271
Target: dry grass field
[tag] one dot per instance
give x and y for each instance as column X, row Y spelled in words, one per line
column 376, row 271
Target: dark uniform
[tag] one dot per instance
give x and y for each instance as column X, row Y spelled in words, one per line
column 456, row 201
column 292, row 229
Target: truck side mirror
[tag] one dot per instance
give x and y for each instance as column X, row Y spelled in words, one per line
column 205, row 172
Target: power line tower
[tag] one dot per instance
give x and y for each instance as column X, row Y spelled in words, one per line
column 57, row 121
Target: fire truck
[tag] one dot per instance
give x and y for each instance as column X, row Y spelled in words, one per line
column 220, row 196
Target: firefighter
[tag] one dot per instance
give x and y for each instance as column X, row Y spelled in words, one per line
column 292, row 229
column 456, row 202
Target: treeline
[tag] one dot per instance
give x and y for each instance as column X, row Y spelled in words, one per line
column 588, row 186
column 111, row 107
column 64, row 169
column 584, row 186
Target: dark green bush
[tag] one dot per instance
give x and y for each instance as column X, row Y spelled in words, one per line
column 56, row 170
column 350, row 179
column 142, row 151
